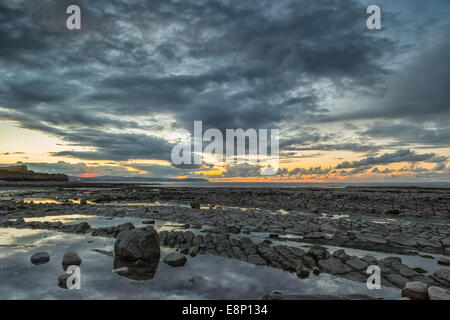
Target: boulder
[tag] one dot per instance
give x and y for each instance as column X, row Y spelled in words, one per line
column 175, row 259
column 436, row 293
column 40, row 258
column 415, row 290
column 71, row 258
column 137, row 244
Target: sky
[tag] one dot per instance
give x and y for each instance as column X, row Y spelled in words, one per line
column 351, row 104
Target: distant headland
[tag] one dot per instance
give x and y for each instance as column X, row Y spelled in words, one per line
column 21, row 173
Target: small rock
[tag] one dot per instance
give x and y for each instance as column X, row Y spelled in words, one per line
column 419, row 270
column 40, row 258
column 436, row 293
column 71, row 258
column 82, row 227
column 302, row 273
column 443, row 261
column 314, row 210
column 415, row 290
column 148, row 222
column 274, row 236
column 175, row 260
column 195, row 205
column 234, row 229
column 121, row 269
column 193, row 251
column 62, row 280
column 392, row 212
column 316, row 271
column 184, row 251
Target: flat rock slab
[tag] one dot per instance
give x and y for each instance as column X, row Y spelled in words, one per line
column 334, row 266
column 436, row 293
column 416, row 290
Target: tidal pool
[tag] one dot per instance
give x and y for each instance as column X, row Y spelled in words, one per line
column 203, row 277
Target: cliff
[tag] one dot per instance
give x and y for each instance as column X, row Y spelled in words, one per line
column 21, row 173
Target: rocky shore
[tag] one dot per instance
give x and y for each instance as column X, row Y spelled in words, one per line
column 222, row 224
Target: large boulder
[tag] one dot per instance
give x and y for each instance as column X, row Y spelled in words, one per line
column 137, row 244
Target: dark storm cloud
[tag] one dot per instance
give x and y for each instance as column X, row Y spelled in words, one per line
column 416, row 105
column 228, row 63
column 408, row 133
column 118, row 146
column 402, row 155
